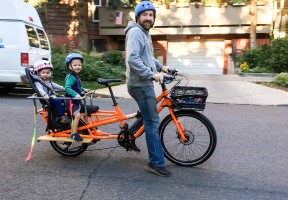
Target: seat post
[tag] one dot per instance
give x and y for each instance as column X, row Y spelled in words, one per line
column 112, row 95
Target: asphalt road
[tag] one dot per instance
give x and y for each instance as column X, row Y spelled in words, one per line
column 250, row 160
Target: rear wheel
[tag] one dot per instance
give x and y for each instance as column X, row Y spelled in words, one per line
column 199, row 132
column 71, row 149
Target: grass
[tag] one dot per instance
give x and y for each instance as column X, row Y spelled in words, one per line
column 274, row 85
column 85, row 84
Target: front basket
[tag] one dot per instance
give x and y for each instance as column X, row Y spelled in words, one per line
column 185, row 97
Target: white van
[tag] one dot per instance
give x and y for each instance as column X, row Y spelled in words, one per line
column 23, row 41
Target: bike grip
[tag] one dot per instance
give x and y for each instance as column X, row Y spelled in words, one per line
column 172, row 71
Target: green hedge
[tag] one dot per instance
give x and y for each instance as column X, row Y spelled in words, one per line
column 282, row 79
column 96, row 65
column 272, row 58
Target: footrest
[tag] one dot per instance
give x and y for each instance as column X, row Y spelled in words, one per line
column 61, row 139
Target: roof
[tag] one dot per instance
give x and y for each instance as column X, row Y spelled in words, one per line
column 17, row 10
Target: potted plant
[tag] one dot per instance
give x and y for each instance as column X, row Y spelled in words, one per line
column 239, row 3
column 226, row 3
column 182, row 3
column 211, row 3
column 167, row 3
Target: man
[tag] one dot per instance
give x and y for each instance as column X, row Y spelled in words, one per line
column 142, row 68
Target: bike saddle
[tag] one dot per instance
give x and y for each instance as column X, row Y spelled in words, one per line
column 106, row 81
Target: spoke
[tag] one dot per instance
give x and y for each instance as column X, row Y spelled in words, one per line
column 187, row 151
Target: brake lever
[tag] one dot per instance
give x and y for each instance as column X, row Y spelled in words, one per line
column 168, row 79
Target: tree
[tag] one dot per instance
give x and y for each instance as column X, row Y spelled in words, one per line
column 253, row 13
column 82, row 8
column 81, row 15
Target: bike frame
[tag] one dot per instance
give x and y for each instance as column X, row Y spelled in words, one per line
column 105, row 117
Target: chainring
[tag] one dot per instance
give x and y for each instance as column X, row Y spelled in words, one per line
column 126, row 139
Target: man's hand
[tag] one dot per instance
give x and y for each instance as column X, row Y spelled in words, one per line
column 158, row 77
column 165, row 69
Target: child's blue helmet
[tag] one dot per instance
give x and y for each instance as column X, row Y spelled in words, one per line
column 73, row 56
column 143, row 6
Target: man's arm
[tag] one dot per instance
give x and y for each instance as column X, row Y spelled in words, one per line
column 134, row 47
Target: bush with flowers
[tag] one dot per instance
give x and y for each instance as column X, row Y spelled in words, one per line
column 244, row 67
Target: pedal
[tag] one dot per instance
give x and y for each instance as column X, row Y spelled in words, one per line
column 134, row 148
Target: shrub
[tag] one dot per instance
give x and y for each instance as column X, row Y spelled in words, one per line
column 263, row 59
column 278, row 60
column 282, row 79
column 113, row 57
column 58, row 61
column 244, row 67
column 272, row 58
column 93, row 67
column 250, row 57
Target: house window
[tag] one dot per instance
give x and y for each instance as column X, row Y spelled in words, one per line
column 121, row 45
column 95, row 10
column 99, row 45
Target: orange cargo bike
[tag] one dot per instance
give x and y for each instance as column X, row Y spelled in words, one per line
column 188, row 137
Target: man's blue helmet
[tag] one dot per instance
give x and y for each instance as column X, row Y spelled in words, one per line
column 143, row 6
column 73, row 56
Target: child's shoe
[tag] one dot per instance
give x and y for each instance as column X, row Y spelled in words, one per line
column 65, row 120
column 76, row 137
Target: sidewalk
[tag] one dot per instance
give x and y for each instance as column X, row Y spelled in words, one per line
column 224, row 89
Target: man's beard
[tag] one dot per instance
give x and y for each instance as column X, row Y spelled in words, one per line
column 147, row 25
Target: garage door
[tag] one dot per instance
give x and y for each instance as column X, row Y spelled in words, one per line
column 201, row 57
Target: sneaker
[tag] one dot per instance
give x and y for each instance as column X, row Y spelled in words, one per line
column 65, row 120
column 76, row 137
column 160, row 171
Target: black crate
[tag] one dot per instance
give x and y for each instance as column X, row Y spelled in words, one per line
column 185, row 97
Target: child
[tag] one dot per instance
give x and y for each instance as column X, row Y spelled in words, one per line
column 43, row 69
column 73, row 89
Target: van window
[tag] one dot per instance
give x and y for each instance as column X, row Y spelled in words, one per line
column 43, row 39
column 32, row 36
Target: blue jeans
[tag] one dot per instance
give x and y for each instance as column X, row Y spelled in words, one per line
column 58, row 106
column 146, row 100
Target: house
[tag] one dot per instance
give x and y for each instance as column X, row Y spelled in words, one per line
column 190, row 37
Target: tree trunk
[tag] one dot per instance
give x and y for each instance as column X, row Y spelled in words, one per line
column 82, row 8
column 253, row 13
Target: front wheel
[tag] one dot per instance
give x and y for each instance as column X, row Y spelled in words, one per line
column 200, row 136
column 71, row 149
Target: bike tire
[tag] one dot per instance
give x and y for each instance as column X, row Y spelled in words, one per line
column 200, row 133
column 71, row 149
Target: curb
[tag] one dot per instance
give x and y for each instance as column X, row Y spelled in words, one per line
column 269, row 75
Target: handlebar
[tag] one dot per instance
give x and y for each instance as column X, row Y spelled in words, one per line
column 172, row 73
